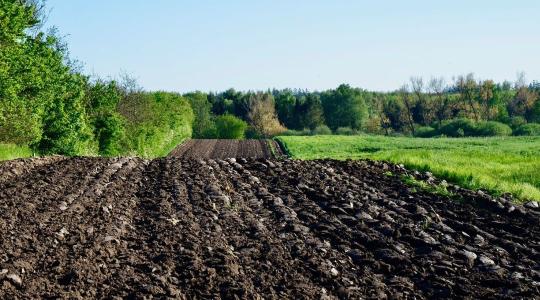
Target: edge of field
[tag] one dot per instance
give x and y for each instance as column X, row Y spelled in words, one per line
column 497, row 184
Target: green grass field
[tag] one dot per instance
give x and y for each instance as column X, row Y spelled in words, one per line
column 9, row 151
column 498, row 165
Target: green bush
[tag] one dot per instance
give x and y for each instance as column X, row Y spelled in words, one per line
column 41, row 94
column 292, row 132
column 102, row 100
column 531, row 129
column 230, row 127
column 203, row 125
column 252, row 133
column 492, row 128
column 321, row 130
column 457, row 128
column 155, row 122
column 516, row 122
column 345, row 131
column 425, row 132
column 109, row 131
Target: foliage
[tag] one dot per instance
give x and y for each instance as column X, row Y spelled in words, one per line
column 497, row 164
column 156, row 122
column 531, row 129
column 344, row 107
column 292, row 132
column 433, row 103
column 41, row 96
column 262, row 116
column 203, row 125
column 425, row 132
column 11, row 151
column 439, row 189
column 457, row 128
column 230, row 127
column 517, row 121
column 102, row 99
column 321, row 130
column 492, row 128
column 345, row 131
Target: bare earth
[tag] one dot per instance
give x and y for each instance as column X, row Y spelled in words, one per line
column 253, row 228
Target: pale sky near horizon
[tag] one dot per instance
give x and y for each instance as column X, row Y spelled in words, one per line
column 212, row 45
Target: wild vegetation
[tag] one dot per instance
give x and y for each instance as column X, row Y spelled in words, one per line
column 48, row 105
column 465, row 107
column 496, row 164
column 10, row 151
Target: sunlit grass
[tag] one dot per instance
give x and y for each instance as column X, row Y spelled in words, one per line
column 9, row 151
column 499, row 165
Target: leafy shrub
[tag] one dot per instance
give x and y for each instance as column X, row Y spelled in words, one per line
column 457, row 128
column 263, row 117
column 531, row 129
column 345, row 131
column 425, row 132
column 203, row 125
column 292, row 132
column 516, row 122
column 321, row 130
column 155, row 122
column 102, row 99
column 492, row 128
column 210, row 132
column 230, row 127
column 252, row 133
column 109, row 132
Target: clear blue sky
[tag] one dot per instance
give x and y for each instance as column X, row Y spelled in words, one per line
column 315, row 44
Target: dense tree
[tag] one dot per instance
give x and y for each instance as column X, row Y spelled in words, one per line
column 203, row 125
column 102, row 99
column 309, row 112
column 467, row 89
column 41, row 95
column 230, row 127
column 524, row 104
column 262, row 115
column 286, row 108
column 407, row 101
column 344, row 107
column 441, row 102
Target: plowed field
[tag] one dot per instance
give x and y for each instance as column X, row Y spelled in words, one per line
column 101, row 228
column 220, row 149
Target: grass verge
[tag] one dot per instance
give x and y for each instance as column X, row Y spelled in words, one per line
column 497, row 165
column 9, row 151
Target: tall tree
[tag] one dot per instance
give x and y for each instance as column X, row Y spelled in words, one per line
column 344, row 107
column 441, row 103
column 41, row 95
column 467, row 89
column 203, row 125
column 262, row 115
column 285, row 107
column 406, row 98
column 309, row 112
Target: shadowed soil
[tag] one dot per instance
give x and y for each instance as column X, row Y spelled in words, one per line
column 254, row 228
column 220, row 149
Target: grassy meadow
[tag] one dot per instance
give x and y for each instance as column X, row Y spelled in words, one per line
column 497, row 164
column 10, row 151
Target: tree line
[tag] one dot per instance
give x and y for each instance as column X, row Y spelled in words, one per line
column 465, row 107
column 47, row 103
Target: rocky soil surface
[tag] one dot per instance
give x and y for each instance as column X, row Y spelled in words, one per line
column 255, row 228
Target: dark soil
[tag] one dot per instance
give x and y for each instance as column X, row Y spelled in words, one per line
column 221, row 149
column 255, row 228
